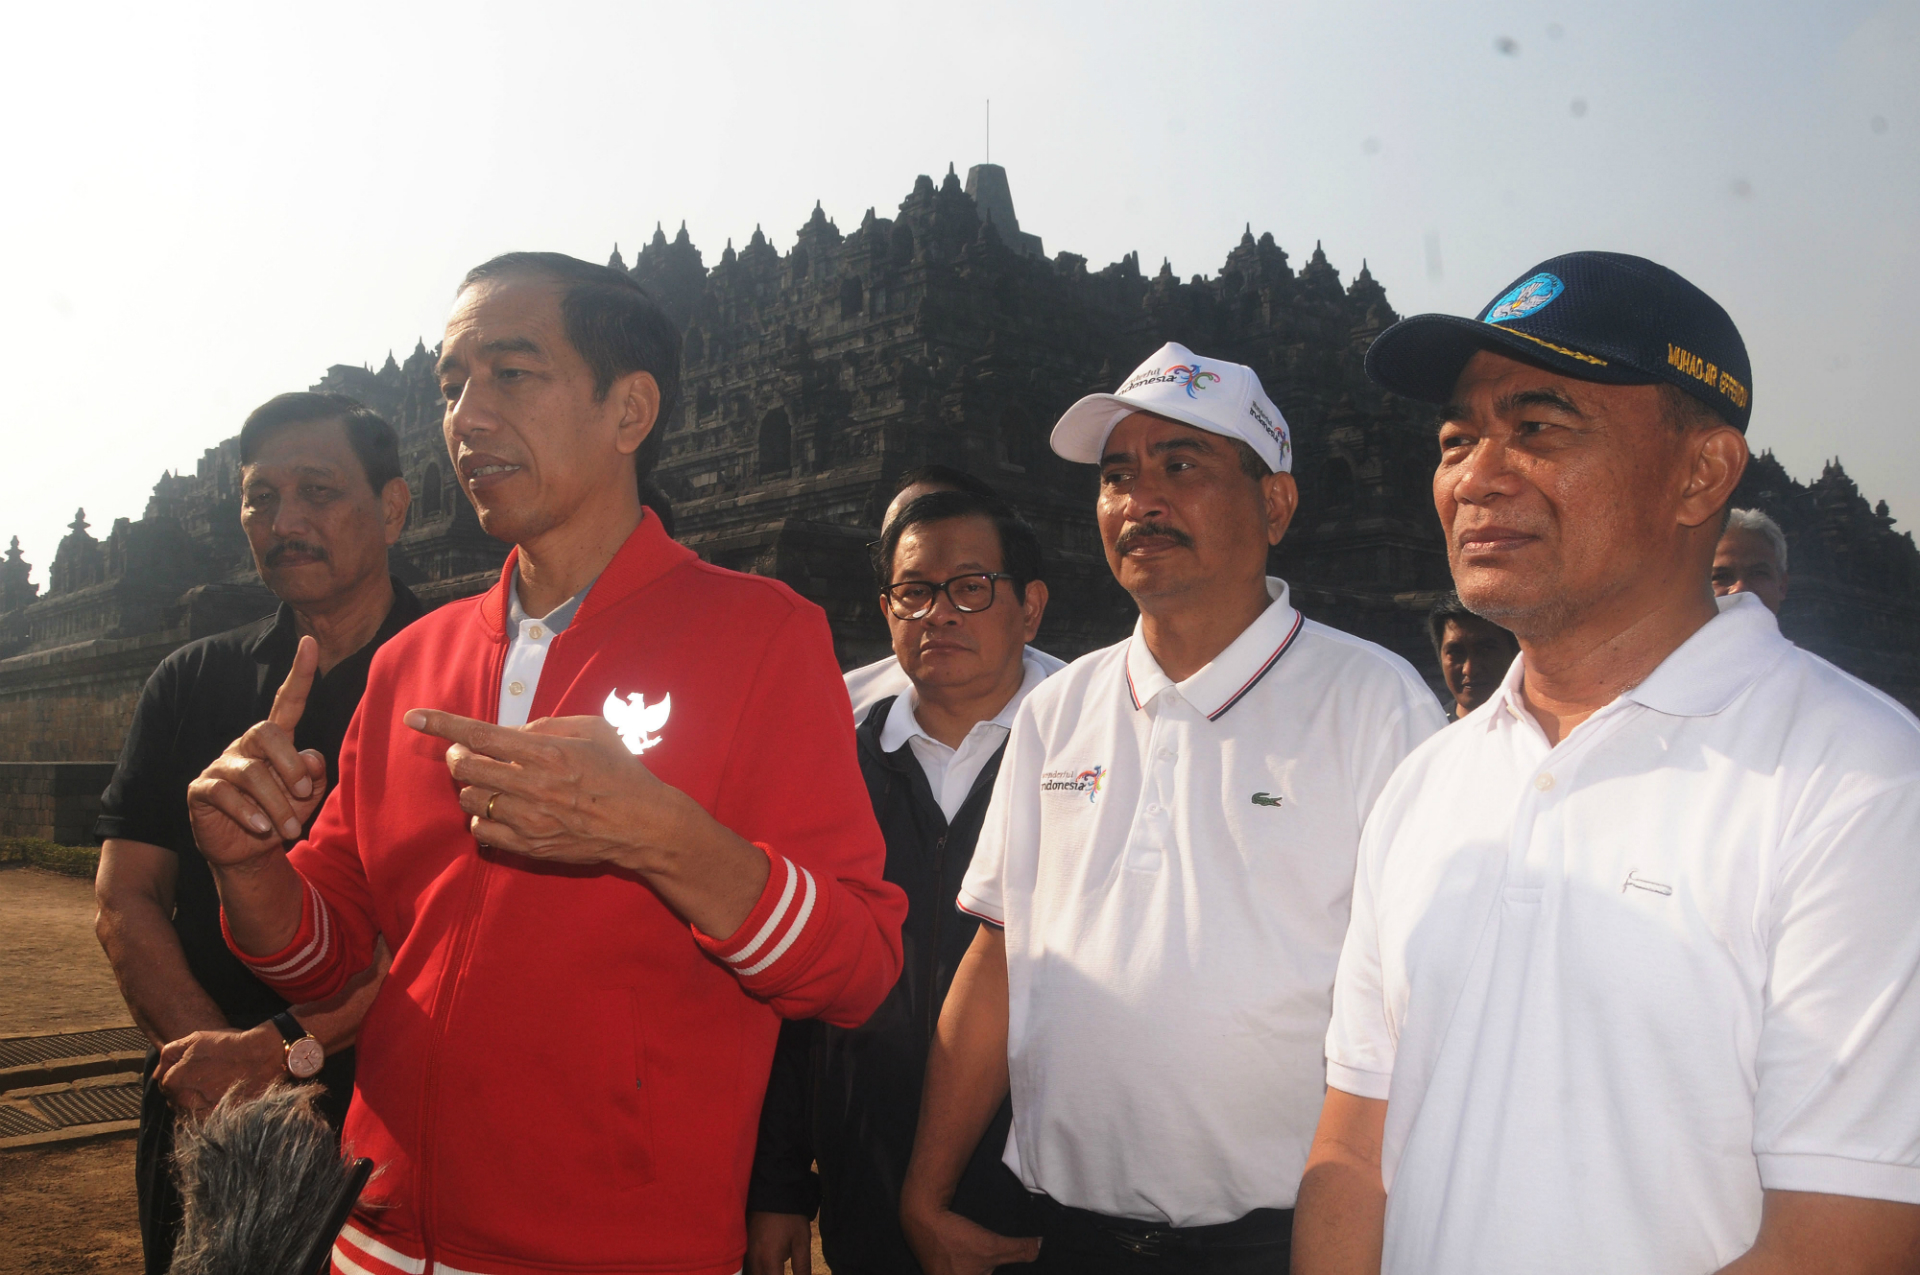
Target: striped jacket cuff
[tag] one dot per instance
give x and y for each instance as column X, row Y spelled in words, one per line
column 771, row 935
column 311, row 949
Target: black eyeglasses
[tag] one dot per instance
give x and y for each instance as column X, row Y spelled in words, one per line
column 971, row 593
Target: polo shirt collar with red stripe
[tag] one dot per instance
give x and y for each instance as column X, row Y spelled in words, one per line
column 1224, row 682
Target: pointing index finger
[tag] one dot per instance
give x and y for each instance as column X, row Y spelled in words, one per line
column 290, row 701
column 485, row 738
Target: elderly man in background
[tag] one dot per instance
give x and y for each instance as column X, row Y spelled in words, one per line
column 885, row 678
column 1632, row 980
column 321, row 499
column 1165, row 869
column 1474, row 653
column 1751, row 558
column 960, row 584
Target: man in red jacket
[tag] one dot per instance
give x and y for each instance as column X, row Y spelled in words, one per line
column 648, row 842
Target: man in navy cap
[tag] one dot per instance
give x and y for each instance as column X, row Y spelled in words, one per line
column 1632, row 981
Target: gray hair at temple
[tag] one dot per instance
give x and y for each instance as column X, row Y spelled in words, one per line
column 1761, row 525
column 259, row 1179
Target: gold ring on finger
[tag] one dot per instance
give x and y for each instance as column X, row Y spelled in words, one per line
column 489, row 815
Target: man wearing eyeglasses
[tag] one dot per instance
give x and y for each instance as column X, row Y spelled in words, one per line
column 885, row 678
column 1165, row 870
column 961, row 589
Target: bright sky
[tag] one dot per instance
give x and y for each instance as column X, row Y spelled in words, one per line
column 208, row 204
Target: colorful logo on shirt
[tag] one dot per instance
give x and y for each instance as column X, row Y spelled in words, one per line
column 637, row 721
column 1086, row 781
column 1525, row 299
column 1265, row 799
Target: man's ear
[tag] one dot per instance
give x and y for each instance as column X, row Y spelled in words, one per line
column 1717, row 457
column 395, row 499
column 639, row 397
column 1282, row 498
column 1034, row 606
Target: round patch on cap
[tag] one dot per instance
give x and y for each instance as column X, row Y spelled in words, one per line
column 1527, row 298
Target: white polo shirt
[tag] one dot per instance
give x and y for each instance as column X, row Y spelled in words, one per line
column 951, row 772
column 1172, row 865
column 1613, row 989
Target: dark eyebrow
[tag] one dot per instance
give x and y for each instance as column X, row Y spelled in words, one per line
column 1179, row 443
column 1544, row 396
column 505, row 345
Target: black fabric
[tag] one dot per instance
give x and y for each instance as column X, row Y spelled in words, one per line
column 201, row 698
column 1597, row 316
column 1077, row 1242
column 849, row 1100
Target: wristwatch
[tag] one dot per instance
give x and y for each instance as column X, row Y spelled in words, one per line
column 305, row 1055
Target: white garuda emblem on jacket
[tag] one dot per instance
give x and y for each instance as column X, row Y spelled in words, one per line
column 637, row 721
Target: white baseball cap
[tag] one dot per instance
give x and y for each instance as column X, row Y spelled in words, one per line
column 1211, row 394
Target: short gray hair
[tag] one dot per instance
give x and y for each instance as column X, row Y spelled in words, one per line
column 1761, row 525
column 258, row 1179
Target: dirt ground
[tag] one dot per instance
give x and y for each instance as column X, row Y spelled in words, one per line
column 57, row 978
column 64, row 1210
column 69, row 1210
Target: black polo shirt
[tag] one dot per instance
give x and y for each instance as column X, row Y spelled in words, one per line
column 203, row 697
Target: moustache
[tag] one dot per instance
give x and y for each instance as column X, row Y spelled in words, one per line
column 1139, row 533
column 278, row 553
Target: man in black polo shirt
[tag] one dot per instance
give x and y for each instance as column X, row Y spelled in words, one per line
column 321, row 499
column 962, row 596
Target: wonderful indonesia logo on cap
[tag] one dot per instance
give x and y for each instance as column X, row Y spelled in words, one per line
column 1210, row 394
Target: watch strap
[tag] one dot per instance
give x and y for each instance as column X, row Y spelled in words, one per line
column 290, row 1029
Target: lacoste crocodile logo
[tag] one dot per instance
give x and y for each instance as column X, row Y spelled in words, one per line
column 1265, row 799
column 1639, row 882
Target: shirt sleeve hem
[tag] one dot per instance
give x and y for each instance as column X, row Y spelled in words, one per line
column 973, row 905
column 1361, row 1084
column 1839, row 1175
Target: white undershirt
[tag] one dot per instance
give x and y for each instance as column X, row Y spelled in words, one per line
column 951, row 772
column 528, row 640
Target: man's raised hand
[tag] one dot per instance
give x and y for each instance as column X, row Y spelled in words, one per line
column 259, row 793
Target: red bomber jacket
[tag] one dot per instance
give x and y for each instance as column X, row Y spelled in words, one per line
column 559, row 1073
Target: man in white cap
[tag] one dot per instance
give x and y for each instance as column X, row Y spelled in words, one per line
column 1165, row 869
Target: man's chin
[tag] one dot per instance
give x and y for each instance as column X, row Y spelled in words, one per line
column 1160, row 576
column 510, row 523
column 943, row 668
column 301, row 583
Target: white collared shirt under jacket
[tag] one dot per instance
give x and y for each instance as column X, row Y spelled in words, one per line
column 1613, row 990
column 1172, row 864
column 951, row 772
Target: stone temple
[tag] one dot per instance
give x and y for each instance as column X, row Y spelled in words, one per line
column 814, row 377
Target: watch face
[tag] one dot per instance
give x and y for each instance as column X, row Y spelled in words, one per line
column 305, row 1058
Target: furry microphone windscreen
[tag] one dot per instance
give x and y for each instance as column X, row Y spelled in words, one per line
column 258, row 1179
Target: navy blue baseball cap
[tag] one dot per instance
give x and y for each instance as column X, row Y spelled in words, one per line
column 1598, row 316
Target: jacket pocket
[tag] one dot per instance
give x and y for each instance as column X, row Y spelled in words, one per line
column 630, row 1135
